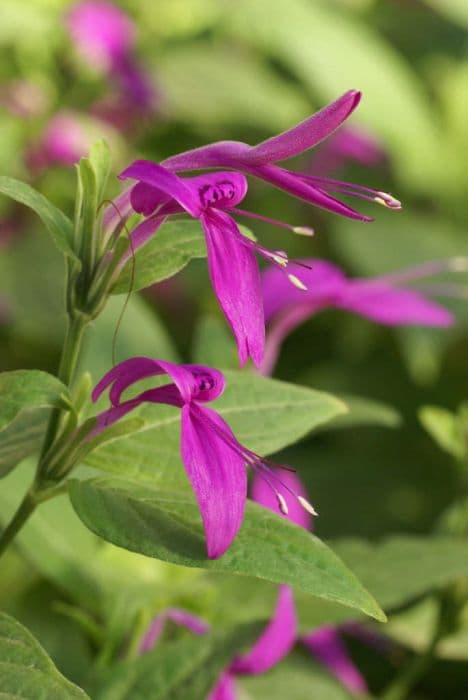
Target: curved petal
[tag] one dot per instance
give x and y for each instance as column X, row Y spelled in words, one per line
column 275, row 642
column 324, row 281
column 260, row 492
column 224, row 689
column 227, row 154
column 217, row 475
column 306, row 134
column 180, row 617
column 391, row 306
column 167, row 182
column 124, row 374
column 236, row 281
column 327, row 646
column 146, row 198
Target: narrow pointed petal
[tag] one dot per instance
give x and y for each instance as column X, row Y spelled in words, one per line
column 165, row 181
column 382, row 303
column 306, row 134
column 261, row 493
column 224, row 689
column 236, row 280
column 217, row 474
column 180, row 617
column 215, row 155
column 275, row 642
column 327, row 646
column 295, row 185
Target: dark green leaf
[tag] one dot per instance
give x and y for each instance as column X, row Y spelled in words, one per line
column 26, row 672
column 59, row 226
column 166, row 525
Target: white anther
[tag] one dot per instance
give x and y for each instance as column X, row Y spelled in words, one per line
column 306, row 505
column 297, row 283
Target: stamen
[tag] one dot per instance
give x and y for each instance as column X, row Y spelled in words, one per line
column 387, row 200
column 306, row 505
column 427, row 269
column 297, row 282
column 303, row 231
column 383, row 198
column 283, row 506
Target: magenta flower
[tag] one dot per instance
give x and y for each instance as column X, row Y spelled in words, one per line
column 324, row 643
column 213, row 459
column 104, row 36
column 387, row 300
column 260, row 161
column 160, row 193
column 64, row 141
column 348, row 144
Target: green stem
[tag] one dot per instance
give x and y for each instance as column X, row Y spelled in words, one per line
column 68, row 362
column 25, row 509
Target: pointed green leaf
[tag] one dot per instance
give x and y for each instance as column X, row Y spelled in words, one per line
column 183, row 670
column 445, row 429
column 23, row 390
column 100, row 159
column 166, row 524
column 264, row 414
column 59, row 226
column 21, row 438
column 26, row 672
column 363, row 411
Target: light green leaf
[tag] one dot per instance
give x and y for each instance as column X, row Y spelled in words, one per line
column 456, row 10
column 174, row 245
column 193, row 78
column 24, row 390
column 167, row 525
column 444, row 428
column 363, row 411
column 100, row 160
column 59, row 226
column 21, row 438
column 183, row 670
column 264, row 414
column 26, row 672
column 214, row 345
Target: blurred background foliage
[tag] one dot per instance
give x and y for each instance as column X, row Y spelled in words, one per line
column 245, row 70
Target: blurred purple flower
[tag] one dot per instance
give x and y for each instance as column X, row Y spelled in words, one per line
column 23, row 99
column 105, row 36
column 275, row 642
column 324, row 643
column 64, row 141
column 348, row 144
column 260, row 161
column 213, row 459
column 180, row 617
column 387, row 300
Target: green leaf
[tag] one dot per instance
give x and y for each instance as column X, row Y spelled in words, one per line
column 456, row 10
column 23, row 390
column 183, row 670
column 26, row 672
column 362, row 412
column 169, row 251
column 214, row 345
column 264, row 414
column 167, row 525
column 193, row 78
column 445, row 429
column 21, row 438
column 100, row 160
column 59, row 226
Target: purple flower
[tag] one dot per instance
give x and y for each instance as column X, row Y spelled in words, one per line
column 65, row 139
column 213, row 459
column 160, row 193
column 260, row 161
column 387, row 300
column 275, row 642
column 348, row 144
column 324, row 643
column 104, row 35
